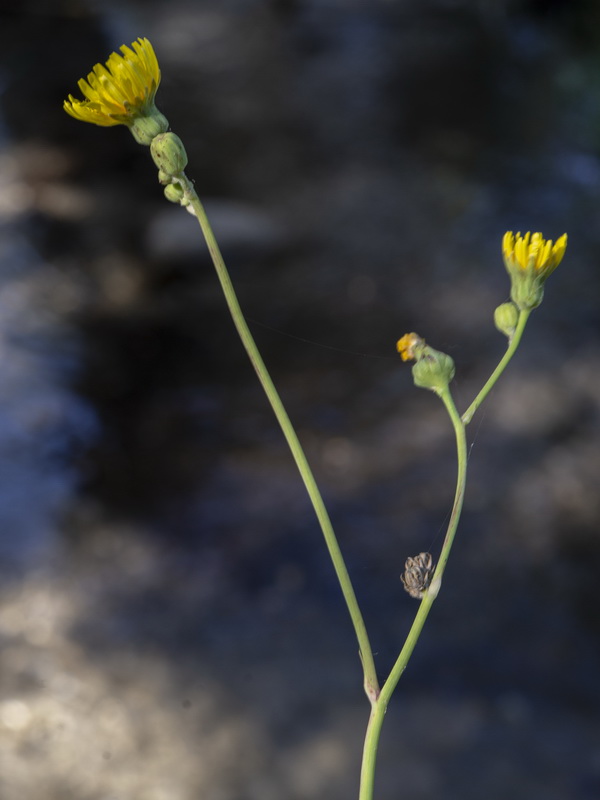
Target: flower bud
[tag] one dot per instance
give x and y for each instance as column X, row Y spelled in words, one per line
column 168, row 153
column 146, row 128
column 506, row 317
column 174, row 193
column 432, row 370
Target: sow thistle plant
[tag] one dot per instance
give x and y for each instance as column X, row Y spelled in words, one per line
column 122, row 93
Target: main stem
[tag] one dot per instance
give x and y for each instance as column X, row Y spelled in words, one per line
column 366, row 654
column 379, row 708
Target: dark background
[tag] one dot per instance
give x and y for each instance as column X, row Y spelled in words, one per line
column 170, row 625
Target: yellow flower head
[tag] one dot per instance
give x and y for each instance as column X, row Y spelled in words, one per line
column 122, row 92
column 529, row 260
column 408, row 346
column 532, row 251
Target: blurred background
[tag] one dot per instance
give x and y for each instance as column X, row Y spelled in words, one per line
column 170, row 625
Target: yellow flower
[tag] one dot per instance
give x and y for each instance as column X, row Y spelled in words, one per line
column 122, row 93
column 529, row 260
column 532, row 251
column 408, row 345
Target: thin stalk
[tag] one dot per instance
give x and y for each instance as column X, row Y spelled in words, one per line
column 366, row 654
column 379, row 708
column 491, row 382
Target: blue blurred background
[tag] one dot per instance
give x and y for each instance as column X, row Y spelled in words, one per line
column 170, row 625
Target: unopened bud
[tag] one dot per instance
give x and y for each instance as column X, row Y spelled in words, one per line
column 506, row 317
column 169, row 155
column 433, row 370
column 147, row 127
column 174, row 193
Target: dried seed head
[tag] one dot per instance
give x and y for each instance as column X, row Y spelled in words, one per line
column 418, row 572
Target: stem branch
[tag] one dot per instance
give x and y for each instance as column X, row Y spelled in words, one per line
column 366, row 655
column 491, row 382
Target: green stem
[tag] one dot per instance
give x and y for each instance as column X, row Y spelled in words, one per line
column 510, row 351
column 366, row 654
column 379, row 708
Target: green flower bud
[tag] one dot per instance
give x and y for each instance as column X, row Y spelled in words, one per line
column 506, row 317
column 174, row 193
column 169, row 155
column 163, row 178
column 434, row 370
column 146, row 128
